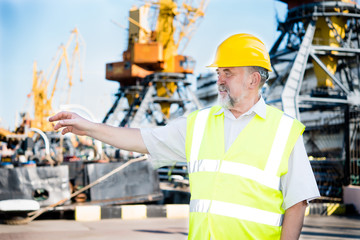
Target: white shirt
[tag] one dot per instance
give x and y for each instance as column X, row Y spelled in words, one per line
column 166, row 146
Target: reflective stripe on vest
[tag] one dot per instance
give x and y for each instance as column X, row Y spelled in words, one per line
column 199, row 127
column 236, row 211
column 238, row 169
column 266, row 177
column 278, row 147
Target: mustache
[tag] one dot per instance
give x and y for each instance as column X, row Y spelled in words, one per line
column 223, row 87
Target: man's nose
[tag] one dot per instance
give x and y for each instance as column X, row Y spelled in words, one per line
column 221, row 79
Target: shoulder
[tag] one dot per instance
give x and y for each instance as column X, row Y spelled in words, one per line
column 273, row 110
column 206, row 111
column 279, row 113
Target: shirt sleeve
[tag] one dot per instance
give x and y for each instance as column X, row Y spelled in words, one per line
column 298, row 184
column 166, row 144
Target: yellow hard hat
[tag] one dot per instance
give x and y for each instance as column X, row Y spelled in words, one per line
column 242, row 50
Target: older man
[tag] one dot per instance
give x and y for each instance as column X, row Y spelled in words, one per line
column 249, row 173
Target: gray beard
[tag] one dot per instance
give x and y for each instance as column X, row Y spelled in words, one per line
column 226, row 102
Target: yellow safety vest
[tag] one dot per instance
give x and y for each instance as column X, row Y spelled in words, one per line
column 236, row 194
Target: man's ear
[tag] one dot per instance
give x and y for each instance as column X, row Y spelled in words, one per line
column 255, row 80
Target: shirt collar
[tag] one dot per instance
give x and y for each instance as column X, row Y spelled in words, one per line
column 259, row 108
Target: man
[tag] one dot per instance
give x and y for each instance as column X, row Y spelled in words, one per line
column 249, row 174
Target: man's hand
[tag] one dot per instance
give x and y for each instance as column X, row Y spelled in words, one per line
column 71, row 122
column 129, row 139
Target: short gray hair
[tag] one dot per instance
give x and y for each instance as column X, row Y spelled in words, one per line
column 264, row 73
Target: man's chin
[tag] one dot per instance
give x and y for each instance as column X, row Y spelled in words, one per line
column 224, row 102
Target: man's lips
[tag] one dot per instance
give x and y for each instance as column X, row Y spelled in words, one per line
column 222, row 89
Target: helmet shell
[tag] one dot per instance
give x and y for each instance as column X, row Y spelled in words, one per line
column 241, row 50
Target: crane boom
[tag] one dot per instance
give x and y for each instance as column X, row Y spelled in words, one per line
column 41, row 84
column 156, row 50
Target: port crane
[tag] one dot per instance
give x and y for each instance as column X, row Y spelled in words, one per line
column 42, row 92
column 152, row 74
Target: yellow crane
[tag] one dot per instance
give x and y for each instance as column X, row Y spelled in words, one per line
column 172, row 33
column 41, row 81
column 158, row 33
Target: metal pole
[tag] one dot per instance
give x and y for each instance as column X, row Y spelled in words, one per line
column 347, row 146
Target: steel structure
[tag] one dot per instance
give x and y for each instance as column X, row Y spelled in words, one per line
column 315, row 78
column 152, row 73
column 144, row 109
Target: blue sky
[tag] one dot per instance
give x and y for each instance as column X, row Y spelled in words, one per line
column 33, row 30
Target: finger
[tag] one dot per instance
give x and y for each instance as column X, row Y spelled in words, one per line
column 56, row 117
column 65, row 130
column 57, row 126
column 60, row 115
column 65, row 123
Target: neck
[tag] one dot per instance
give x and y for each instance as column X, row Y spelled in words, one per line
column 243, row 106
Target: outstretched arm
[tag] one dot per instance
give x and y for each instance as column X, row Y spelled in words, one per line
column 293, row 221
column 124, row 138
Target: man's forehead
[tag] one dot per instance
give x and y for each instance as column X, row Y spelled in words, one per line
column 229, row 69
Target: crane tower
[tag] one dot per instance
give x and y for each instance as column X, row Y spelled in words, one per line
column 315, row 78
column 152, row 74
